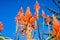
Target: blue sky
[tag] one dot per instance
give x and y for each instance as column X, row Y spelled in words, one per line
column 9, row 9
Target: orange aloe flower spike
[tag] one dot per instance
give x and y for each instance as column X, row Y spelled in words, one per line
column 1, row 26
column 55, row 25
column 21, row 14
column 22, row 17
column 47, row 19
column 36, row 6
column 28, row 14
column 43, row 14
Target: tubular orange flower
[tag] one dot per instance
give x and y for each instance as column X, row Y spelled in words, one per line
column 55, row 24
column 43, row 14
column 20, row 15
column 28, row 18
column 28, row 14
column 56, row 27
column 1, row 26
column 36, row 6
column 47, row 19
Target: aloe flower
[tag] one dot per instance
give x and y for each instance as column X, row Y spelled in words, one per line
column 36, row 6
column 55, row 29
column 28, row 21
column 19, row 17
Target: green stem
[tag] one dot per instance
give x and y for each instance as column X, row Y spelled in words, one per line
column 15, row 38
column 18, row 37
column 43, row 30
column 38, row 26
column 34, row 34
column 49, row 29
column 39, row 33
